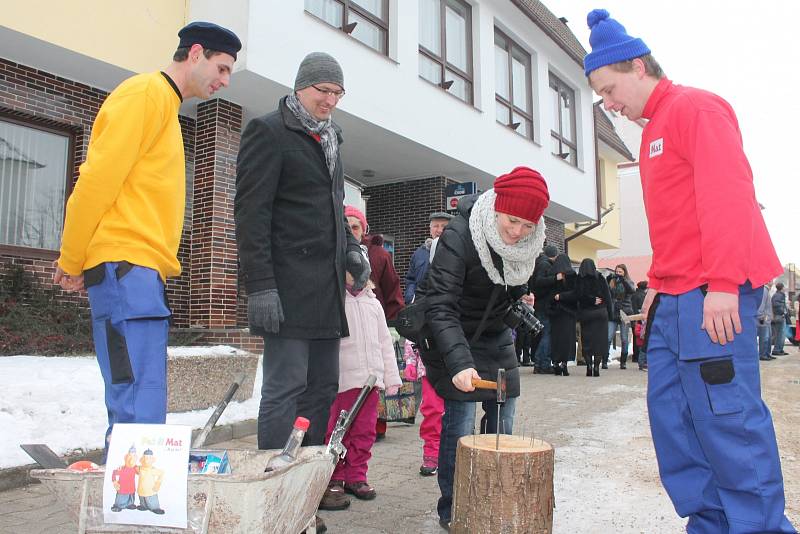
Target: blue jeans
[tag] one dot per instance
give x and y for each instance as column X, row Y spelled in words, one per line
column 764, row 340
column 458, row 421
column 541, row 360
column 642, row 358
column 713, row 434
column 779, row 335
column 623, row 337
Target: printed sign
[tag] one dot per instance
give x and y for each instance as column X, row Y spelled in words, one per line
column 146, row 474
column 454, row 192
column 657, row 147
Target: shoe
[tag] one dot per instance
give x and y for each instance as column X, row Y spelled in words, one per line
column 604, row 366
column 158, row 511
column 319, row 525
column 360, row 490
column 429, row 466
column 622, row 366
column 409, row 420
column 588, row 370
column 380, row 437
column 782, row 353
column 564, row 370
column 557, row 370
column 635, row 359
column 445, row 524
column 131, row 507
column 334, row 497
column 116, row 508
column 596, row 370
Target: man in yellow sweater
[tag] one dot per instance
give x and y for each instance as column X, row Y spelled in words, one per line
column 125, row 216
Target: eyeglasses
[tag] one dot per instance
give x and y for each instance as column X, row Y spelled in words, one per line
column 330, row 92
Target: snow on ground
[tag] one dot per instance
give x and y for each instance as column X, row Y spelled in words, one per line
column 58, row 401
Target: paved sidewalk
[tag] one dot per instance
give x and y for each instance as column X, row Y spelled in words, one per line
column 606, row 479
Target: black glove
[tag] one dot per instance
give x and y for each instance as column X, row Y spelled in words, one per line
column 264, row 310
column 358, row 266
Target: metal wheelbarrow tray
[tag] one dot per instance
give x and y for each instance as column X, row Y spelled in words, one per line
column 247, row 500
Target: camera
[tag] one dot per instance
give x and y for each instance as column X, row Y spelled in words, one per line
column 520, row 317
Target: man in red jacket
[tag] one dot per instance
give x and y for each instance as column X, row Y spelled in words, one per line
column 713, row 435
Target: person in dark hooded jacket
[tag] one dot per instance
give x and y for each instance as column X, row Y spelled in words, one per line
column 621, row 287
column 562, row 311
column 594, row 305
column 483, row 261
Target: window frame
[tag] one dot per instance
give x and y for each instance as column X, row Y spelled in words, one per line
column 349, row 5
column 560, row 86
column 511, row 46
column 52, row 127
column 442, row 62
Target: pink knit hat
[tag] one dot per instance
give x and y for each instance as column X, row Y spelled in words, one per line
column 352, row 211
column 521, row 193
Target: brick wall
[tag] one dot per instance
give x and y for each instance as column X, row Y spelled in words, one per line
column 214, row 277
column 554, row 232
column 402, row 210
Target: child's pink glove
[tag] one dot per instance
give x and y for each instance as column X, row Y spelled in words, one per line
column 391, row 391
column 410, row 372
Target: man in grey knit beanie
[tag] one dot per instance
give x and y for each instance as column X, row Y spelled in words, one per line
column 294, row 248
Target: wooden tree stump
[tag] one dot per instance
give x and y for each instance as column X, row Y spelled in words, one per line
column 508, row 490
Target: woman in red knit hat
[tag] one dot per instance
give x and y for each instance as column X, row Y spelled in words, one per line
column 482, row 265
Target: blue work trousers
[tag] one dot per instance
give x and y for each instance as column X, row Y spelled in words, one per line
column 713, row 435
column 130, row 325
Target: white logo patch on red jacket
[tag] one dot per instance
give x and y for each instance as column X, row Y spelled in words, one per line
column 657, row 147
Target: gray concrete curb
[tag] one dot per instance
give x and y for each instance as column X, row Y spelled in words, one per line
column 16, row 477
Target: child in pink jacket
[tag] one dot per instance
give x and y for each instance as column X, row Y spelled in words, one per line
column 367, row 351
column 432, row 408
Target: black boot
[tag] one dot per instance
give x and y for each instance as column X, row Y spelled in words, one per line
column 588, row 365
column 596, row 370
column 564, row 369
column 605, row 362
column 622, row 359
column 557, row 369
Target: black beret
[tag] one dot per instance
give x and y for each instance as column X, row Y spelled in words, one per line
column 210, row 36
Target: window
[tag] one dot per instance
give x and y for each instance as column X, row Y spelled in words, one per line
column 512, row 74
column 563, row 132
column 445, row 46
column 34, row 173
column 366, row 20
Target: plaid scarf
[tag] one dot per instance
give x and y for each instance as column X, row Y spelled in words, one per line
column 324, row 129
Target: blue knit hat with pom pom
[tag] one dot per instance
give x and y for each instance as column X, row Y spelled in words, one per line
column 610, row 42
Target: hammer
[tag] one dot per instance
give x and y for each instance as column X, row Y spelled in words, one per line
column 500, row 387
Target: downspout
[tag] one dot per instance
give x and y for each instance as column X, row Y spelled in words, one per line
column 598, row 184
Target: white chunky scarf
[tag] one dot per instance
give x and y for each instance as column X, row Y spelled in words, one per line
column 518, row 259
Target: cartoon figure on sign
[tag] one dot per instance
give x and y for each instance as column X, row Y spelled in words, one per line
column 124, row 479
column 149, row 483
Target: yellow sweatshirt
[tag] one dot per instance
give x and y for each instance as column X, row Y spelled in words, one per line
column 129, row 201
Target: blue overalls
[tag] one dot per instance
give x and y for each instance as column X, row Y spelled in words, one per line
column 130, row 324
column 713, row 435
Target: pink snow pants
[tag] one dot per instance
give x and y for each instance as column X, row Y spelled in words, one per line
column 430, row 429
column 359, row 438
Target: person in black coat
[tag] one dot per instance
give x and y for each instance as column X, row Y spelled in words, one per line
column 294, row 246
column 637, row 299
column 483, row 261
column 621, row 287
column 541, row 284
column 562, row 313
column 594, row 309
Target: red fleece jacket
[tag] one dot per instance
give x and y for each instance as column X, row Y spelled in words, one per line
column 705, row 223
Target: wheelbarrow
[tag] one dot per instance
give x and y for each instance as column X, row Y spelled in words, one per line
column 245, row 501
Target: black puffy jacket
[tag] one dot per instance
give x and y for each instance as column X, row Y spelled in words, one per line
column 457, row 290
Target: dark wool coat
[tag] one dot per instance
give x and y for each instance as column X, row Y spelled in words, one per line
column 594, row 317
column 387, row 283
column 457, row 290
column 290, row 225
column 563, row 312
column 542, row 283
